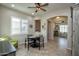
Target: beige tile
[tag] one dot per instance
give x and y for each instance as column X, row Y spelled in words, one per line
column 55, row 47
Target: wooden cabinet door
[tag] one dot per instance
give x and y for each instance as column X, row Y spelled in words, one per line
column 37, row 25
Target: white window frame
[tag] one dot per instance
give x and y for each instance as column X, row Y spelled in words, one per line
column 20, row 26
column 63, row 28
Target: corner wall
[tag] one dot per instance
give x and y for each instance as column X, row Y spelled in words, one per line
column 5, row 22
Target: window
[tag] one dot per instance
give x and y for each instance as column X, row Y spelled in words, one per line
column 15, row 25
column 63, row 28
column 24, row 28
column 18, row 25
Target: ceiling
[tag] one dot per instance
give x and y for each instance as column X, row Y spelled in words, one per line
column 59, row 19
column 23, row 7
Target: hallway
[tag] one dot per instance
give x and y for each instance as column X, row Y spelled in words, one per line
column 62, row 42
column 55, row 47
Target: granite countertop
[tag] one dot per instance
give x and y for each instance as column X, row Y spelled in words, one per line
column 6, row 47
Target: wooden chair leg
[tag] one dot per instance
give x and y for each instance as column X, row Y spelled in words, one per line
column 43, row 43
column 25, row 42
column 28, row 44
column 39, row 44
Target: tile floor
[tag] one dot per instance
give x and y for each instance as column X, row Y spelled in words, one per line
column 56, row 47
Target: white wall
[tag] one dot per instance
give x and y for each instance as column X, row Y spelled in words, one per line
column 5, row 22
column 61, row 12
column 51, row 28
column 0, row 22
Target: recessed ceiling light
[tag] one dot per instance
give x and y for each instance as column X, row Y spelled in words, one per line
column 12, row 5
column 57, row 17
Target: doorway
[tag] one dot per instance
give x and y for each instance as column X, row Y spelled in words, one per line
column 58, row 30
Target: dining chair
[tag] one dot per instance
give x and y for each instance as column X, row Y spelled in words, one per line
column 28, row 41
column 40, row 41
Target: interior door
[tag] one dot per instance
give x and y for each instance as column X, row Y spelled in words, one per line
column 75, row 50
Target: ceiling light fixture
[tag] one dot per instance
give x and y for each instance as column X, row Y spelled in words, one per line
column 38, row 9
column 33, row 13
column 57, row 17
column 12, row 5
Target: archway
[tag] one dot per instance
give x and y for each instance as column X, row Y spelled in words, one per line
column 57, row 28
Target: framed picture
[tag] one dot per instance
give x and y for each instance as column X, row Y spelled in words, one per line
column 30, row 26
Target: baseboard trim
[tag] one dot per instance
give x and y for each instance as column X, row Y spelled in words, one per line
column 69, row 49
